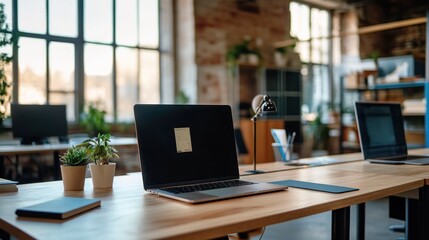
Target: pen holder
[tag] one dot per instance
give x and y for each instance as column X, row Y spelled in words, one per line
column 282, row 152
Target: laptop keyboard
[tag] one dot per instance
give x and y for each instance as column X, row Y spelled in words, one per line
column 206, row 186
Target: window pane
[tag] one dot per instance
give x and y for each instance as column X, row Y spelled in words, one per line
column 32, row 70
column 148, row 23
column 321, row 84
column 32, row 16
column 98, row 20
column 98, row 76
column 149, row 77
column 126, row 22
column 300, row 28
column 319, row 29
column 68, row 100
column 303, row 48
column 63, row 17
column 126, row 82
column 61, row 66
column 8, row 12
column 300, row 21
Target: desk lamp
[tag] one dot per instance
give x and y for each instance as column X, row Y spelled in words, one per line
column 260, row 104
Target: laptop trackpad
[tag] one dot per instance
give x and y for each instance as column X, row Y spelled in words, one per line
column 244, row 190
column 231, row 191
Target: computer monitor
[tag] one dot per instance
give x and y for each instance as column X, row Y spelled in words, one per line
column 34, row 124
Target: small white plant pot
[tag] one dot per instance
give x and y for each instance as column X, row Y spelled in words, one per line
column 102, row 175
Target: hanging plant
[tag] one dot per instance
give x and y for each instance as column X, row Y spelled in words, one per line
column 5, row 58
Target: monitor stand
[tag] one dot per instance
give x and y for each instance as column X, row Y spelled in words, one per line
column 34, row 141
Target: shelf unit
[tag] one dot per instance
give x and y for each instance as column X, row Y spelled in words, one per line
column 422, row 84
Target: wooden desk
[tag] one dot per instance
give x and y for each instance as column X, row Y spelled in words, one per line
column 16, row 150
column 129, row 212
column 354, row 163
column 422, row 172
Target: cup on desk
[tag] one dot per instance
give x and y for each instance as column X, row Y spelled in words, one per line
column 282, row 152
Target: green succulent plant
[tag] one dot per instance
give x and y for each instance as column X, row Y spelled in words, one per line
column 99, row 149
column 75, row 156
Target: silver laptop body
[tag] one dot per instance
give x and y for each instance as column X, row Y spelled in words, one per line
column 181, row 146
column 382, row 135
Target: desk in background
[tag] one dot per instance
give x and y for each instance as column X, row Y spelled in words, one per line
column 55, row 149
column 128, row 211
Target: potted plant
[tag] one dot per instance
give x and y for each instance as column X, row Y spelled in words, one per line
column 5, row 84
column 73, row 168
column 100, row 151
column 243, row 52
column 93, row 119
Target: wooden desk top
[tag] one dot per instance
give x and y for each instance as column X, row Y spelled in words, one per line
column 302, row 163
column 128, row 211
column 390, row 169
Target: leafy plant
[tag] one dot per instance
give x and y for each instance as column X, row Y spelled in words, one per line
column 99, row 149
column 93, row 120
column 182, row 98
column 5, row 84
column 74, row 156
column 244, row 47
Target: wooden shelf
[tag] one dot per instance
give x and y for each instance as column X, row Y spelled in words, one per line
column 399, row 85
column 360, row 31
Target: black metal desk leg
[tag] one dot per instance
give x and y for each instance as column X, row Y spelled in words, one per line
column 341, row 224
column 2, row 168
column 412, row 225
column 424, row 212
column 4, row 235
column 360, row 221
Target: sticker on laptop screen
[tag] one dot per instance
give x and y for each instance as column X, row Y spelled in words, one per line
column 183, row 139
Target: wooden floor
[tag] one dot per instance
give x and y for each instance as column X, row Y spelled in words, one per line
column 318, row 227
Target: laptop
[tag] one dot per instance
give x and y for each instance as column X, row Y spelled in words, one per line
column 382, row 135
column 188, row 153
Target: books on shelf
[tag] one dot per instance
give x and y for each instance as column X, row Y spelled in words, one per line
column 414, row 106
column 59, row 208
column 8, row 185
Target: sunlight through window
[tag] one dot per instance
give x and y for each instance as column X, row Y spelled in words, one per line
column 80, row 59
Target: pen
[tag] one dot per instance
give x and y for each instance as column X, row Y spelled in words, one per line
column 292, row 138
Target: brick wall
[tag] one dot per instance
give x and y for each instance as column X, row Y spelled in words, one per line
column 400, row 41
column 220, row 24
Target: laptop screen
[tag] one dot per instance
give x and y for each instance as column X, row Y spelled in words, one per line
column 381, row 129
column 183, row 144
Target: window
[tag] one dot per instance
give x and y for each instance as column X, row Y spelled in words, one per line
column 312, row 27
column 109, row 55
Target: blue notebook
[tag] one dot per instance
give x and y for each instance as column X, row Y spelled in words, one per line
column 315, row 186
column 59, row 208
